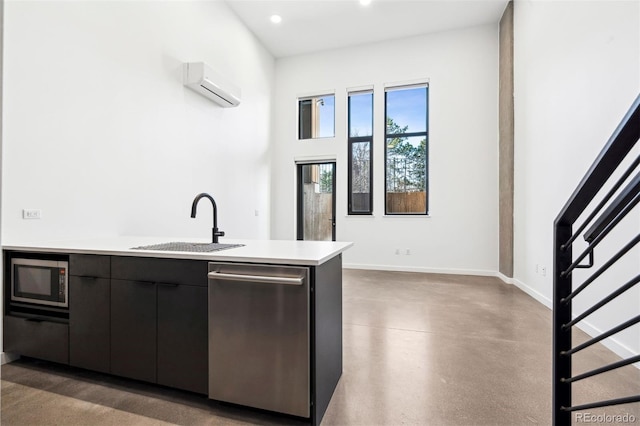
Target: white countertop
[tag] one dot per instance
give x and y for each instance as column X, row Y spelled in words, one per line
column 282, row 252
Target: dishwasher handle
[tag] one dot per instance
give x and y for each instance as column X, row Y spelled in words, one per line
column 256, row 278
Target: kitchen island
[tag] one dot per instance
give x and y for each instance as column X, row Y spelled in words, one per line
column 279, row 252
column 146, row 315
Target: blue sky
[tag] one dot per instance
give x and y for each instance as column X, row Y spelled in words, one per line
column 327, row 114
column 361, row 114
column 407, row 107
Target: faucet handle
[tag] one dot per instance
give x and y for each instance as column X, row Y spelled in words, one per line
column 216, row 234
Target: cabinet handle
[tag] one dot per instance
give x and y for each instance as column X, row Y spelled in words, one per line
column 36, row 319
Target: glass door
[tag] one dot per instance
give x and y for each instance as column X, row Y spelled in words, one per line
column 316, row 219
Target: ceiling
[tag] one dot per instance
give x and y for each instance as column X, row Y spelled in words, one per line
column 315, row 25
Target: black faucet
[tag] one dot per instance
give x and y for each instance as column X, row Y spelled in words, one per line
column 215, row 232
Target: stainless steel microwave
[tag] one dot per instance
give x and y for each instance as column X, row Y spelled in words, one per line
column 40, row 281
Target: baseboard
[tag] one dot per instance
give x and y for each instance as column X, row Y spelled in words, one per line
column 505, row 279
column 6, row 358
column 394, row 268
column 450, row 271
column 533, row 293
column 612, row 344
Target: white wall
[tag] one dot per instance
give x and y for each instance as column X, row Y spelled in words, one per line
column 101, row 135
column 462, row 68
column 577, row 71
column 1, row 269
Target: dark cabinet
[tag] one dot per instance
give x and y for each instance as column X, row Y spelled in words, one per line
column 36, row 337
column 171, row 271
column 136, row 317
column 159, row 321
column 182, row 337
column 133, row 329
column 89, row 312
column 29, row 328
column 90, row 265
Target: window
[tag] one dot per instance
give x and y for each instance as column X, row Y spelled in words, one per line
column 406, row 137
column 316, row 117
column 360, row 162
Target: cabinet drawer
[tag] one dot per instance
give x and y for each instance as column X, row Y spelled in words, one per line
column 172, row 271
column 38, row 339
column 89, row 265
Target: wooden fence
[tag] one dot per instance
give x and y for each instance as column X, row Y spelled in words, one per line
column 406, row 202
column 318, row 214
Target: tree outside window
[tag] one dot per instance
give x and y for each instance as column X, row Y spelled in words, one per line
column 360, row 162
column 406, row 159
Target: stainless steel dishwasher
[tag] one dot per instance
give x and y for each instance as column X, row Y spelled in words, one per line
column 259, row 336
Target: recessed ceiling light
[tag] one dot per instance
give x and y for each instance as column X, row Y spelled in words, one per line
column 276, row 19
column 365, row 2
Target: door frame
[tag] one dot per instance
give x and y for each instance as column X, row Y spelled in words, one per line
column 300, row 197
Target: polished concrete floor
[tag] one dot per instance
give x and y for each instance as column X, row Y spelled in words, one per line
column 419, row 349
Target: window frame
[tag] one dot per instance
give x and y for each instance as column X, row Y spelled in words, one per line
column 303, row 98
column 425, row 133
column 359, row 139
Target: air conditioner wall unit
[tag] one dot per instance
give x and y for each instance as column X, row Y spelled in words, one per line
column 204, row 80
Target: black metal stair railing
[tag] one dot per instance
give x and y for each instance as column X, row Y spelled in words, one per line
column 616, row 203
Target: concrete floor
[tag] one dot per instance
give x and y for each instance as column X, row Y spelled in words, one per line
column 418, row 349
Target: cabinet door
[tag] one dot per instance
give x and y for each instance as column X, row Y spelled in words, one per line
column 37, row 338
column 89, row 313
column 182, row 337
column 133, row 329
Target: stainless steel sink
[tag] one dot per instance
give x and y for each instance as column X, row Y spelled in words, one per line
column 192, row 247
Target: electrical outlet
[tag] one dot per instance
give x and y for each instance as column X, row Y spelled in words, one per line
column 537, row 268
column 543, row 271
column 397, row 251
column 407, row 252
column 30, row 213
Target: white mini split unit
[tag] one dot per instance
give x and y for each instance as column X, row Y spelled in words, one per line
column 201, row 78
